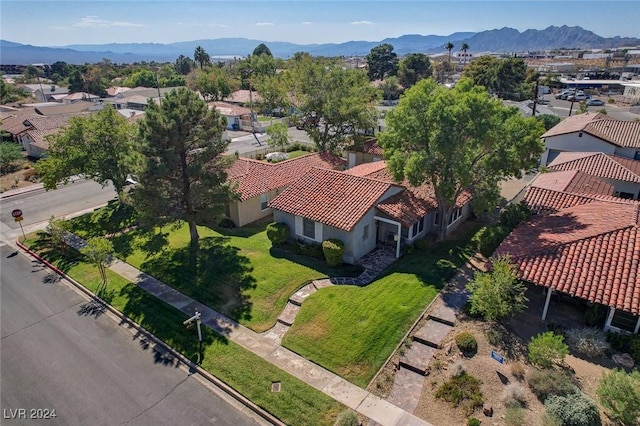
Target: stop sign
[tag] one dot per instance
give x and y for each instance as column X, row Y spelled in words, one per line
column 16, row 213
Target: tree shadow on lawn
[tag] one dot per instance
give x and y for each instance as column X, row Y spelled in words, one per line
column 166, row 323
column 319, row 265
column 62, row 256
column 111, row 219
column 214, row 274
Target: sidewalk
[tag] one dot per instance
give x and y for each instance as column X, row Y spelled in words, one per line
column 354, row 397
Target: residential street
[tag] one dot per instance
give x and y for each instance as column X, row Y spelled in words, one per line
column 90, row 370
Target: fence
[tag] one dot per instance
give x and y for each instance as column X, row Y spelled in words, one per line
column 261, row 152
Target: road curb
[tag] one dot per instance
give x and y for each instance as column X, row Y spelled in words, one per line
column 146, row 333
column 13, row 193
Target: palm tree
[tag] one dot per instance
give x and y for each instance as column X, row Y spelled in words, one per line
column 449, row 46
column 201, row 56
column 464, row 49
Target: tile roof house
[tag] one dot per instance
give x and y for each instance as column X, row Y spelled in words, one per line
column 233, row 112
column 363, row 207
column 589, row 249
column 46, row 92
column 258, row 182
column 592, row 133
column 623, row 173
column 364, row 152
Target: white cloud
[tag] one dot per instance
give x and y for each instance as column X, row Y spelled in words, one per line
column 95, row 22
column 362, row 23
column 264, row 24
column 220, row 25
column 306, row 22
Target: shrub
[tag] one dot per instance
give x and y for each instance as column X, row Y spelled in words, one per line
column 514, row 416
column 312, row 250
column 634, row 348
column 518, row 371
column 348, row 418
column 514, row 214
column 619, row 394
column 225, row 222
column 278, row 233
column 550, row 420
column 472, row 421
column 467, row 343
column 421, row 244
column 462, row 391
column 547, row 349
column 457, row 369
column 550, row 382
column 514, row 394
column 29, row 174
column 494, row 337
column 587, row 341
column 489, row 239
column 574, row 409
column 333, row 250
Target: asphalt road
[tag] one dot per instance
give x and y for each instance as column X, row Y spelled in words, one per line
column 89, row 369
column 562, row 107
column 38, row 206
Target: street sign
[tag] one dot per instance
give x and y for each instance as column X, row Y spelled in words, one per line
column 16, row 213
column 18, row 218
column 497, row 357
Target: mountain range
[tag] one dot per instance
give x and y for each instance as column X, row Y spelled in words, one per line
column 504, row 40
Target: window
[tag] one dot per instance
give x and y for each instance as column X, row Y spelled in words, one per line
column 637, row 156
column 436, row 219
column 455, row 215
column 264, row 201
column 421, row 225
column 309, row 228
column 626, row 195
column 365, row 233
column 624, row 320
column 414, row 229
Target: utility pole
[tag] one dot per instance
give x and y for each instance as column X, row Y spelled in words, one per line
column 196, row 318
column 535, row 98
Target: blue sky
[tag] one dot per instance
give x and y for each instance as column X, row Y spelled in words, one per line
column 58, row 23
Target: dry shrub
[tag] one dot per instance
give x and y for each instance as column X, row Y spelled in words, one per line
column 518, row 371
column 514, row 395
column 588, row 341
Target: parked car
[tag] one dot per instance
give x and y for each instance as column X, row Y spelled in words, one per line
column 595, row 102
column 570, row 94
column 578, row 97
column 564, row 93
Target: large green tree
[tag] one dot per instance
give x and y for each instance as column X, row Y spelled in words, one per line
column 184, row 65
column 382, row 61
column 262, row 49
column 101, row 147
column 212, row 83
column 506, row 78
column 343, row 99
column 184, row 176
column 10, row 152
column 201, row 56
column 413, row 68
column 456, row 140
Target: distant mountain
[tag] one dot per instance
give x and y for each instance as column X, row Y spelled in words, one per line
column 498, row 40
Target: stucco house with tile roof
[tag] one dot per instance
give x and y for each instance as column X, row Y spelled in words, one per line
column 592, row 133
column 623, row 173
column 258, row 182
column 589, row 248
column 366, row 151
column 363, row 207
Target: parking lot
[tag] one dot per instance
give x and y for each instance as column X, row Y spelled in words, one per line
column 562, row 107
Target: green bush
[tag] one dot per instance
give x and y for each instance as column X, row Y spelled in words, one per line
column 225, row 222
column 472, row 421
column 312, row 250
column 489, row 238
column 574, row 409
column 494, row 337
column 547, row 349
column 587, row 341
column 514, row 416
column 421, row 244
column 544, row 383
column 513, row 214
column 462, row 391
column 467, row 343
column 278, row 233
column 348, row 418
column 333, row 250
column 619, row 394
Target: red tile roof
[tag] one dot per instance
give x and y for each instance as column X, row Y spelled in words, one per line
column 370, row 146
column 368, row 169
column 573, row 181
column 231, row 110
column 574, row 123
column 590, row 251
column 599, row 164
column 331, row 197
column 622, row 133
column 543, row 199
column 254, row 177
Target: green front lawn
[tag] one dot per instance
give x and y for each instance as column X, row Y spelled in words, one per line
column 297, row 403
column 353, row 330
column 234, row 271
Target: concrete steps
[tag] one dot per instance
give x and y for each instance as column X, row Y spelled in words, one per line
column 289, row 313
column 417, row 358
column 432, row 333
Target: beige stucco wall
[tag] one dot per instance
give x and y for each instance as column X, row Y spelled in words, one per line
column 573, row 142
column 245, row 212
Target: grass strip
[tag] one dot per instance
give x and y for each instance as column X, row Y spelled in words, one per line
column 252, row 376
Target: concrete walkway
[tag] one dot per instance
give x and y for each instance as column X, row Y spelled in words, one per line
column 354, row 397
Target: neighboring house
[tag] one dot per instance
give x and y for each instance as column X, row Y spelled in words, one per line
column 586, row 246
column 234, row 114
column 366, row 152
column 622, row 173
column 71, row 108
column 592, row 133
column 244, row 98
column 30, row 130
column 46, row 92
column 363, row 207
column 258, row 182
column 79, row 96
